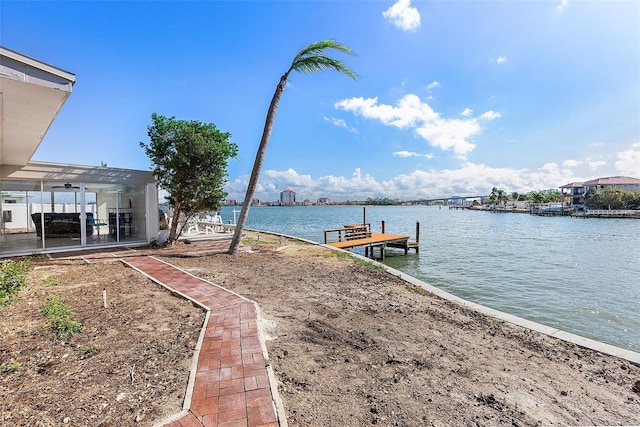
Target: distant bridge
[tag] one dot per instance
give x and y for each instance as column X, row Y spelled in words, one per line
column 452, row 200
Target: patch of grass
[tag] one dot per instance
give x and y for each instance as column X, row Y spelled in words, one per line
column 6, row 368
column 342, row 255
column 368, row 264
column 258, row 241
column 13, row 277
column 345, row 255
column 59, row 315
column 577, row 349
column 52, row 281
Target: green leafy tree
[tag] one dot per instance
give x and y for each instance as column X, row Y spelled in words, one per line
column 631, row 200
column 189, row 160
column 310, row 59
column 551, row 195
column 497, row 196
column 611, row 198
column 537, row 196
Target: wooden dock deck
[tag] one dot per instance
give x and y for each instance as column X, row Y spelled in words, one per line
column 359, row 235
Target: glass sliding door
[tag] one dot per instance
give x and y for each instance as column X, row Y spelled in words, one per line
column 98, row 199
column 18, row 202
column 62, row 220
column 122, row 208
column 41, row 215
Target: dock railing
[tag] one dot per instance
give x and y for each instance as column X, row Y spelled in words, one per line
column 614, row 213
column 348, row 232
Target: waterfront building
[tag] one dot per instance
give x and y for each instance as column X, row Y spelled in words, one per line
column 287, row 198
column 323, row 201
column 573, row 193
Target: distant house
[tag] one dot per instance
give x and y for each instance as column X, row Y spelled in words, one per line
column 49, row 207
column 287, row 198
column 324, row 201
column 574, row 192
column 255, row 202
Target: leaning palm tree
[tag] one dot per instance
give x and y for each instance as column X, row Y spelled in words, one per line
column 310, row 59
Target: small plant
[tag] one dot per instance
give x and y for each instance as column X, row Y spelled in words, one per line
column 13, row 277
column 10, row 367
column 164, row 225
column 93, row 348
column 52, row 281
column 59, row 316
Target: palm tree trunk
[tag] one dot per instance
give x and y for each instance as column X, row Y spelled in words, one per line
column 257, row 165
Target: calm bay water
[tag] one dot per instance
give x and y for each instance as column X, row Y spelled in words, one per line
column 578, row 275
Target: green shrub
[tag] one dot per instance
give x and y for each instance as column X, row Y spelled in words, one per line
column 13, row 277
column 59, row 316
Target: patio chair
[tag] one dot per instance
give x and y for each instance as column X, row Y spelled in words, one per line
column 192, row 225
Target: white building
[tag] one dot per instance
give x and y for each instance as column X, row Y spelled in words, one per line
column 287, row 198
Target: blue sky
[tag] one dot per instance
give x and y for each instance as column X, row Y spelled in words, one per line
column 453, row 97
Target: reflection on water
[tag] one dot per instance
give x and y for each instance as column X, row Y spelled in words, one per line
column 579, row 275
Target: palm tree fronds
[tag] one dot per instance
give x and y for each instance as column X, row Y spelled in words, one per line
column 320, row 46
column 311, row 59
column 320, row 63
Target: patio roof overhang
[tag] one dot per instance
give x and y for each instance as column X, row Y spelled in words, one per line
column 31, row 95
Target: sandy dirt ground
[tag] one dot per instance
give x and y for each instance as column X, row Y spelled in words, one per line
column 350, row 344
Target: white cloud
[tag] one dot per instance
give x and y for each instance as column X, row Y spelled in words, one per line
column 490, row 115
column 411, row 112
column 433, row 85
column 468, row 112
column 570, row 163
column 403, row 15
column 628, row 162
column 405, row 154
column 339, row 123
column 501, row 59
column 596, row 164
column 561, row 6
column 468, row 179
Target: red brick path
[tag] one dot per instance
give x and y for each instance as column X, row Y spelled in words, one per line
column 231, row 386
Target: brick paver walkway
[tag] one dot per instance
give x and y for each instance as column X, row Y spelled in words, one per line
column 231, row 386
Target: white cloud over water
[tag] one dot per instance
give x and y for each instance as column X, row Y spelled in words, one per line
column 448, row 134
column 467, row 179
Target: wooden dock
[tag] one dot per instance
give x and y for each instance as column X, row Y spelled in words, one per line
column 360, row 235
